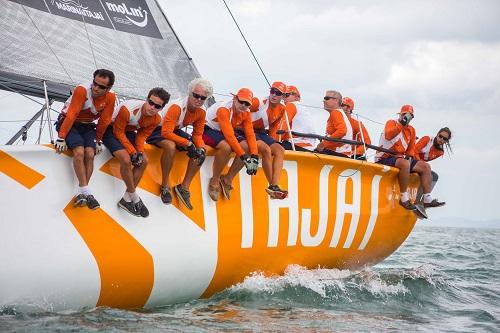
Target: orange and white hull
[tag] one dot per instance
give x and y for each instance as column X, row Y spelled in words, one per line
column 340, row 213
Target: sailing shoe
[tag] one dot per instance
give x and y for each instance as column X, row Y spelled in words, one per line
column 92, row 203
column 128, row 206
column 80, row 200
column 407, row 205
column 184, row 196
column 214, row 191
column 141, row 209
column 226, row 188
column 275, row 192
column 420, row 211
column 434, row 203
column 165, row 195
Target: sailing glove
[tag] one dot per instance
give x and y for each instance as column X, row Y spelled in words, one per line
column 60, row 145
column 98, row 147
column 137, row 159
column 249, row 163
column 197, row 154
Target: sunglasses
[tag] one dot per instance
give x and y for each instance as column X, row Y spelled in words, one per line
column 245, row 103
column 327, row 98
column 276, row 92
column 200, row 97
column 445, row 138
column 156, row 106
column 100, row 86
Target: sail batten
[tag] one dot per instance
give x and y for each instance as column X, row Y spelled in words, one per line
column 64, row 41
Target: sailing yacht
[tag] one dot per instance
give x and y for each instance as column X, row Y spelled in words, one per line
column 340, row 213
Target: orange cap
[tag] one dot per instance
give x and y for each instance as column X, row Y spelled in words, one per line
column 280, row 86
column 292, row 90
column 245, row 94
column 407, row 108
column 348, row 101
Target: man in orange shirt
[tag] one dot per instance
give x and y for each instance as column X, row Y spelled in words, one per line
column 359, row 132
column 338, row 126
column 133, row 122
column 298, row 120
column 170, row 136
column 229, row 128
column 399, row 136
column 77, row 130
column 265, row 115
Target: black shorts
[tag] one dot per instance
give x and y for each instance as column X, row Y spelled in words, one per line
column 79, row 135
column 391, row 161
column 156, row 137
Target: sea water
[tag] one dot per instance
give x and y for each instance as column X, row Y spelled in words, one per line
column 440, row 280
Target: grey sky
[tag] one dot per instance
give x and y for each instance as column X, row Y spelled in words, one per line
column 443, row 57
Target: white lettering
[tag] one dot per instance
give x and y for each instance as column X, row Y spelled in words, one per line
column 307, row 239
column 373, row 213
column 344, row 208
column 292, row 203
column 246, row 210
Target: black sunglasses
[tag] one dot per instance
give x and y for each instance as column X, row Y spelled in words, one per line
column 200, row 97
column 156, row 106
column 100, row 86
column 444, row 138
column 327, row 98
column 276, row 92
column 245, row 103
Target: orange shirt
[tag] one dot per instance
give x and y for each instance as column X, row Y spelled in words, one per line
column 195, row 118
column 335, row 128
column 358, row 128
column 274, row 113
column 146, row 125
column 241, row 120
column 425, row 149
column 104, row 106
column 391, row 130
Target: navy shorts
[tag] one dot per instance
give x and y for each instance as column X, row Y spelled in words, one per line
column 80, row 135
column 112, row 143
column 213, row 137
column 391, row 161
column 265, row 137
column 156, row 137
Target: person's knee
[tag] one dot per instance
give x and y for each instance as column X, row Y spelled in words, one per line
column 403, row 164
column 265, row 151
column 224, row 146
column 277, row 149
column 78, row 153
column 89, row 153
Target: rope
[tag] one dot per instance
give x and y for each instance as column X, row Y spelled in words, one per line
column 253, row 55
column 88, row 38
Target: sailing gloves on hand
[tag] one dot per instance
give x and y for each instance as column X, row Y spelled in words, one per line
column 137, row 159
column 60, row 145
column 197, row 154
column 406, row 118
column 251, row 163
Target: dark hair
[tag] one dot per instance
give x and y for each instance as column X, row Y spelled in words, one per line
column 447, row 130
column 106, row 73
column 161, row 93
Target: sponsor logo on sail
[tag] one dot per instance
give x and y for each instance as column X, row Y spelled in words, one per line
column 75, row 7
column 135, row 12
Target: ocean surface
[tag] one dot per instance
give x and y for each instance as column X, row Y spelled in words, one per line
column 440, row 280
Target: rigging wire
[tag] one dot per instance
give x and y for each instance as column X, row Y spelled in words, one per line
column 46, row 42
column 90, row 43
column 248, row 45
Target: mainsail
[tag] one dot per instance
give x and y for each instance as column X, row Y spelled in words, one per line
column 62, row 42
